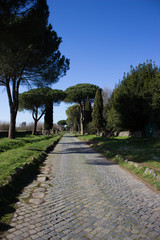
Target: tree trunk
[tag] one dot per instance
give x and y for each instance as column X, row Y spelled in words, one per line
column 78, row 128
column 13, row 104
column 12, row 86
column 98, row 132
column 12, row 126
column 35, row 127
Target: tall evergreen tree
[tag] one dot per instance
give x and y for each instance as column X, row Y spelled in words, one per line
column 48, row 117
column 132, row 97
column 97, row 114
column 55, row 96
column 88, row 111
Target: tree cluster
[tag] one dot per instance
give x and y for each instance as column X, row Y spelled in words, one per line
column 40, row 102
column 135, row 101
column 81, row 116
column 79, row 94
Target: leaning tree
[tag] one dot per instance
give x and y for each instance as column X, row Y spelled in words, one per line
column 28, row 50
column 79, row 94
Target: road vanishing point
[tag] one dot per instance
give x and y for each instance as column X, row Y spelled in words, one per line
column 82, row 195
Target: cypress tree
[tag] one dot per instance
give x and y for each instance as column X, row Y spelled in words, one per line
column 54, row 96
column 97, row 114
column 88, row 111
column 48, row 117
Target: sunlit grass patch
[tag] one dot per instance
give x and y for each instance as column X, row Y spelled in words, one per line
column 21, row 151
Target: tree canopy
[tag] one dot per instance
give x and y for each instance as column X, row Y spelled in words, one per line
column 133, row 99
column 28, row 50
column 62, row 122
column 34, row 101
column 79, row 94
column 73, row 114
column 40, row 100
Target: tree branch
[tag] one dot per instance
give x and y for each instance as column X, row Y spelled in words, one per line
column 41, row 115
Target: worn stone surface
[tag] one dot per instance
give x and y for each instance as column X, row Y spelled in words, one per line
column 38, row 195
column 42, row 178
column 36, row 201
column 87, row 197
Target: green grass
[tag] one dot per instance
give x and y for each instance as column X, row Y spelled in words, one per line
column 141, row 150
column 15, row 153
column 7, row 144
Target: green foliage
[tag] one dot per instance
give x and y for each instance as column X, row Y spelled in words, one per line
column 48, row 117
column 79, row 94
column 73, row 114
column 113, row 120
column 28, row 50
column 131, row 100
column 155, row 88
column 54, row 96
column 62, row 122
column 40, row 101
column 34, row 100
column 90, row 128
column 29, row 44
column 17, row 156
column 97, row 114
column 88, row 111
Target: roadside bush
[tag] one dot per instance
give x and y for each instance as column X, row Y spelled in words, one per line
column 90, row 128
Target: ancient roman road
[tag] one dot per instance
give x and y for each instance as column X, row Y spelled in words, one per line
column 86, row 197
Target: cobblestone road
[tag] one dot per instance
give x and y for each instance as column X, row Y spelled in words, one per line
column 86, row 197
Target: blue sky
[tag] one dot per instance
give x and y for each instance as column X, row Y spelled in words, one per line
column 102, row 38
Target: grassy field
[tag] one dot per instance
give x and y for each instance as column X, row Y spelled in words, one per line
column 15, row 153
column 145, row 151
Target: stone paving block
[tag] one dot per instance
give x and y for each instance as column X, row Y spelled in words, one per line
column 85, row 199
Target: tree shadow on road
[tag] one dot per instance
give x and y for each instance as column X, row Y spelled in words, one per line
column 100, row 162
column 75, row 151
column 9, row 194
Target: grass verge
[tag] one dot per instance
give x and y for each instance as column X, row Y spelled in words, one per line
column 134, row 154
column 21, row 151
column 27, row 158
